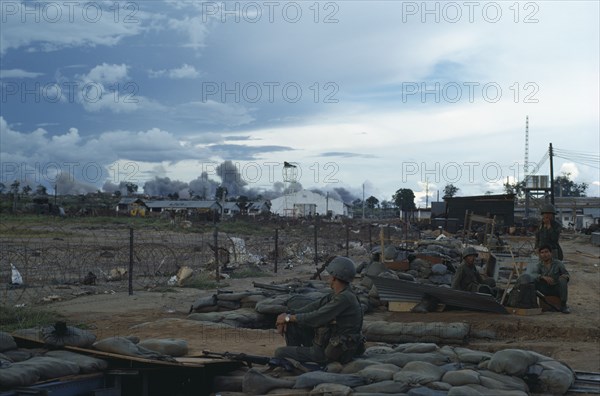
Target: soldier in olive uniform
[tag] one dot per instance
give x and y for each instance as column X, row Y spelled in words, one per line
column 549, row 232
column 468, row 278
column 329, row 329
column 551, row 277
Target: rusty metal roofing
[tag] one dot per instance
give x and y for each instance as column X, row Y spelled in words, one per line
column 402, row 290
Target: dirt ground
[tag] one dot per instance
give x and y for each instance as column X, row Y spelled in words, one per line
column 573, row 339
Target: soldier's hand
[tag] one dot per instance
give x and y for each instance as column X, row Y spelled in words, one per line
column 280, row 319
column 281, row 328
column 548, row 280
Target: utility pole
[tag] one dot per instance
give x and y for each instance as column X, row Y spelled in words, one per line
column 426, row 193
column 363, row 202
column 551, row 175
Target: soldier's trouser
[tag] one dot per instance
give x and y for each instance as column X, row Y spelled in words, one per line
column 560, row 289
column 300, row 347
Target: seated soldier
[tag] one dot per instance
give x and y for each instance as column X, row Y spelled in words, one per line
column 551, row 277
column 468, row 278
column 329, row 329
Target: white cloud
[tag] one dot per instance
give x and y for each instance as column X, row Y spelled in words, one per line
column 194, row 28
column 55, row 25
column 106, row 74
column 38, row 156
column 185, row 71
column 569, row 168
column 18, row 73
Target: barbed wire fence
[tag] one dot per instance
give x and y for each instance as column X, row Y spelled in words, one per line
column 52, row 254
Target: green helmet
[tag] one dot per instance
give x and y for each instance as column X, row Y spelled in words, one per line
column 342, row 268
column 548, row 208
column 470, row 251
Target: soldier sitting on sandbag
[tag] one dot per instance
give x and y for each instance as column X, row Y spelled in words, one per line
column 468, row 278
column 328, row 329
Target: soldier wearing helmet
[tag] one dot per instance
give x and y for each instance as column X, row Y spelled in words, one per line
column 551, row 277
column 549, row 231
column 468, row 278
column 329, row 329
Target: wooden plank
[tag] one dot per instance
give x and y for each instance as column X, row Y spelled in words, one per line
column 187, row 362
column 525, row 311
column 401, row 306
column 481, row 219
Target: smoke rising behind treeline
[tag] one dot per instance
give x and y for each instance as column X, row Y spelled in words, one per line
column 205, row 188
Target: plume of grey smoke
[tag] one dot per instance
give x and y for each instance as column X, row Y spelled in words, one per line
column 163, row 186
column 67, row 184
column 231, row 178
column 203, row 187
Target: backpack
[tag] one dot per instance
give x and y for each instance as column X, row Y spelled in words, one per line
column 523, row 296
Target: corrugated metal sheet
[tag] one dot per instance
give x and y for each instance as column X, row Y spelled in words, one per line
column 401, row 290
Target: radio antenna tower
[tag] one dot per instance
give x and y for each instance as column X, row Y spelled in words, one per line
column 526, row 161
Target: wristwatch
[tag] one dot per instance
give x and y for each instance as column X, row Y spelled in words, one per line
column 287, row 318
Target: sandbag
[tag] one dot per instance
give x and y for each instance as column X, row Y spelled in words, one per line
column 203, row 302
column 478, row 390
column 416, row 347
column 49, row 367
column 60, row 335
column 419, row 372
column 461, row 377
column 401, row 359
column 387, row 387
column 513, row 361
column 7, row 342
column 509, row 382
column 256, row 383
column 17, row 374
column 166, row 346
column 124, row 346
column 331, row 389
column 313, row 378
column 87, row 364
column 425, row 391
column 32, row 333
column 555, row 379
column 466, row 355
column 18, row 355
column 398, row 332
column 356, row 365
column 378, row 372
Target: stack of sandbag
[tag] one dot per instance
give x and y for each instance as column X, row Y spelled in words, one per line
column 23, row 367
column 414, row 369
column 239, row 318
column 438, row 332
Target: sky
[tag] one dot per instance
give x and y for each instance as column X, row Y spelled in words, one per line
column 363, row 97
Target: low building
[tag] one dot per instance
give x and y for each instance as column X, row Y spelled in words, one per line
column 203, row 209
column 258, row 207
column 132, row 206
column 501, row 206
column 306, row 203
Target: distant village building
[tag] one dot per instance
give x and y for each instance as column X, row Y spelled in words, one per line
column 230, row 209
column 305, row 203
column 132, row 206
column 259, row 207
column 577, row 212
column 202, row 210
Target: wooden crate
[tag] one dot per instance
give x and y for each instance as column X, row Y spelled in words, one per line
column 524, row 311
column 401, row 306
column 397, row 265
